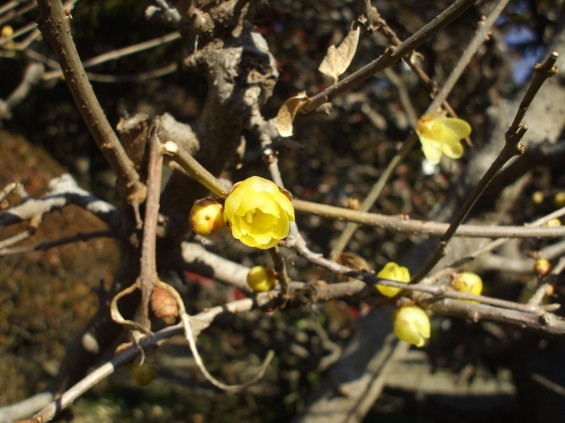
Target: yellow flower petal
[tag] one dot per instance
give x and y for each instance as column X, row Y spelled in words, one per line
column 261, row 279
column 258, row 213
column 432, row 150
column 453, row 148
column 412, row 324
column 460, row 127
column 442, row 135
column 394, row 272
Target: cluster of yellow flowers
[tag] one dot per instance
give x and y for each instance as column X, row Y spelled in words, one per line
column 411, row 323
column 256, row 211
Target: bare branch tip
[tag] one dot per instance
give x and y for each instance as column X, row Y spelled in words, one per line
column 170, row 147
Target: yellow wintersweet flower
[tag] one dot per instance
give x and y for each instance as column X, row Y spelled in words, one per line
column 468, row 282
column 394, row 272
column 261, row 279
column 412, row 324
column 442, row 135
column 6, row 32
column 258, row 212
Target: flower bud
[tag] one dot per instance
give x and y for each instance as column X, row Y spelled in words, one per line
column 143, row 374
column 412, row 324
column 542, row 267
column 394, row 272
column 164, row 305
column 559, row 199
column 553, row 223
column 261, row 279
column 537, row 197
column 206, row 216
column 145, row 367
column 468, row 282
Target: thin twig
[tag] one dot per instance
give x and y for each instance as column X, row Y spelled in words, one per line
column 119, row 53
column 194, row 169
column 478, row 40
column 7, row 190
column 31, row 76
column 201, row 321
column 63, row 190
column 440, row 98
column 412, row 226
column 55, row 26
column 148, row 271
column 44, row 246
column 512, row 147
column 8, row 242
column 138, row 77
column 548, row 384
column 391, row 56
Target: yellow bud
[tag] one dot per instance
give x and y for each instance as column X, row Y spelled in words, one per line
column 143, row 374
column 542, row 267
column 7, row 31
column 559, row 199
column 206, row 216
column 537, row 197
column 468, row 282
column 412, row 324
column 394, row 272
column 261, row 279
column 553, row 223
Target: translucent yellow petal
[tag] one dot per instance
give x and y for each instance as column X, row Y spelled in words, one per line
column 460, row 127
column 281, row 228
column 388, row 291
column 285, row 204
column 432, row 149
column 236, row 224
column 404, row 274
column 257, row 201
column 394, row 272
column 263, row 222
column 254, row 242
column 250, row 241
column 258, row 184
column 258, row 212
column 245, row 223
column 412, row 324
column 452, row 147
column 232, row 202
column 261, row 237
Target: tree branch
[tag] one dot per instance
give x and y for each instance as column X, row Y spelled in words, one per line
column 55, row 26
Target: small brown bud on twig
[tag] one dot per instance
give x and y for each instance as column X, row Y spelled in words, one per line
column 164, row 305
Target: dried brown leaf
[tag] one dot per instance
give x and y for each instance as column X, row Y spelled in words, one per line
column 338, row 59
column 287, row 112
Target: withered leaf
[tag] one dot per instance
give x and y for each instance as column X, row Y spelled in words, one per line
column 338, row 59
column 287, row 112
